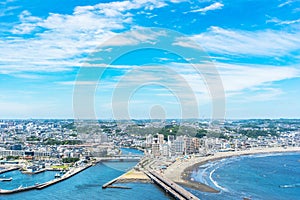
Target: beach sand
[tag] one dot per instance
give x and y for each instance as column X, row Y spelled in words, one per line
column 134, row 176
column 180, row 171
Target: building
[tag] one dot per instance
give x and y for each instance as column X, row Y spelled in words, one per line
column 178, row 145
column 155, row 149
column 165, row 150
column 149, row 140
column 16, row 147
column 196, row 145
column 171, row 139
column 188, row 145
column 160, row 138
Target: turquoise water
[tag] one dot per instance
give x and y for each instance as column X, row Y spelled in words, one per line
column 274, row 176
column 269, row 176
column 126, row 151
column 87, row 185
column 24, row 180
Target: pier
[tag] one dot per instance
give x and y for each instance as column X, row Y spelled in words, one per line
column 109, row 184
column 121, row 158
column 130, row 176
column 167, row 185
column 9, row 169
column 68, row 175
column 170, row 187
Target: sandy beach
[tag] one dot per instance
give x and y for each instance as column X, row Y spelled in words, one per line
column 134, row 176
column 180, row 170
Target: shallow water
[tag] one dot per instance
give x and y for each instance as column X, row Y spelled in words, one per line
column 87, row 185
column 268, row 176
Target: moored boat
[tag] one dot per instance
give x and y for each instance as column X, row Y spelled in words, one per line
column 6, row 179
column 57, row 175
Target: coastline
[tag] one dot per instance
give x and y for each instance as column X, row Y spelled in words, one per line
column 180, row 171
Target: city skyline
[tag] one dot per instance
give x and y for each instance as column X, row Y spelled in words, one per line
column 254, row 46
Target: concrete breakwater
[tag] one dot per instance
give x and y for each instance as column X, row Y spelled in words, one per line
column 68, row 175
column 9, row 169
column 167, row 185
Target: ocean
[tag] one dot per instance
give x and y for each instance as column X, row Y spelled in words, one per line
column 271, row 176
column 85, row 185
column 263, row 176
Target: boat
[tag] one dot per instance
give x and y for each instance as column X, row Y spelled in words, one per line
column 57, row 175
column 6, row 179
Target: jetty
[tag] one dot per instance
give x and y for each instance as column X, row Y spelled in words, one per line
column 121, row 158
column 9, row 169
column 130, row 176
column 170, row 187
column 67, row 175
column 20, row 189
column 35, row 172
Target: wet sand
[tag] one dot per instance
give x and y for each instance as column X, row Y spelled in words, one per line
column 180, row 171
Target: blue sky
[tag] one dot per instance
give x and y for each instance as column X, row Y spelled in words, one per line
column 48, row 46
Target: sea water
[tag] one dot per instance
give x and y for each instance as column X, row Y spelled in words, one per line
column 87, row 185
column 268, row 176
column 263, row 176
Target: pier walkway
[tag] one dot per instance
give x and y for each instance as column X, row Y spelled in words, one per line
column 172, row 188
column 121, row 158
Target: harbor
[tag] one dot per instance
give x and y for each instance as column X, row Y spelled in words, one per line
column 83, row 177
column 30, row 177
column 39, row 186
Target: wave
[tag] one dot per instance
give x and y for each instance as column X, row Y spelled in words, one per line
column 290, row 185
column 215, row 182
column 205, row 172
column 262, row 155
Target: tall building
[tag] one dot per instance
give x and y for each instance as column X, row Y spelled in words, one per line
column 171, row 139
column 165, row 150
column 196, row 145
column 160, row 138
column 188, row 145
column 155, row 149
column 149, row 140
column 178, row 145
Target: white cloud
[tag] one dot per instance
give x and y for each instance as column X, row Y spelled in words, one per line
column 240, row 77
column 239, row 42
column 7, row 10
column 214, row 6
column 177, row 77
column 282, row 22
column 59, row 41
column 285, row 3
column 73, row 83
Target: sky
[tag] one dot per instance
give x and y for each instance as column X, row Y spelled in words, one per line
column 149, row 59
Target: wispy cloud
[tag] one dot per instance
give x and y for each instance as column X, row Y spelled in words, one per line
column 7, row 10
column 214, row 6
column 62, row 41
column 282, row 22
column 236, row 78
column 285, row 3
column 240, row 42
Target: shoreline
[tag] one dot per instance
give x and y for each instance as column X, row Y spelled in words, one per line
column 180, row 171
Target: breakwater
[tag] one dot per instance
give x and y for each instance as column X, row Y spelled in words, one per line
column 68, row 175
